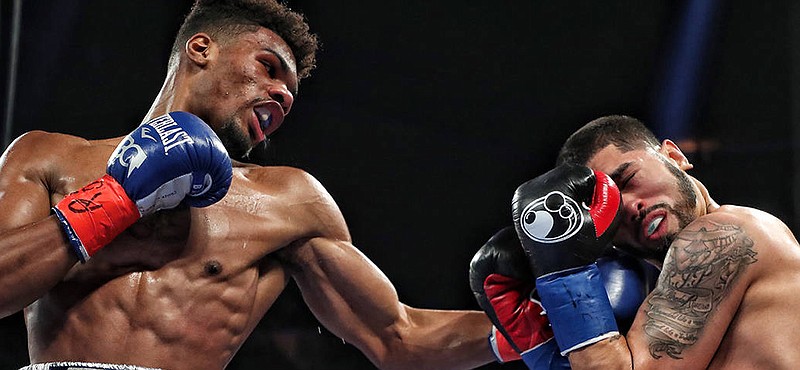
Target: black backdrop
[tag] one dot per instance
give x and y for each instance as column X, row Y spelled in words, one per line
column 423, row 116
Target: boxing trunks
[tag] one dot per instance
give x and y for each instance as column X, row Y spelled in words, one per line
column 83, row 366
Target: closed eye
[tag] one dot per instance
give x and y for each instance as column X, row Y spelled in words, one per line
column 626, row 180
column 618, row 174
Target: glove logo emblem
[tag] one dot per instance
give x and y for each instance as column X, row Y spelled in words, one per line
column 129, row 154
column 551, row 218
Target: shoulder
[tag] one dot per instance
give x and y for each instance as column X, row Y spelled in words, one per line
column 33, row 168
column 43, row 142
column 306, row 197
column 52, row 158
column 756, row 224
column 286, row 180
column 38, row 150
column 728, row 224
column 731, row 236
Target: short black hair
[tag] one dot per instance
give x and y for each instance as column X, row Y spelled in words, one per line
column 626, row 133
column 228, row 18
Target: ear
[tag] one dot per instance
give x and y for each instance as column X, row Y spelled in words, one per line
column 199, row 49
column 671, row 151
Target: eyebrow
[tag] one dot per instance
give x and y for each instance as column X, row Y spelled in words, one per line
column 284, row 65
column 619, row 171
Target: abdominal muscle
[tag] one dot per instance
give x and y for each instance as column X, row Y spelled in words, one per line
column 160, row 298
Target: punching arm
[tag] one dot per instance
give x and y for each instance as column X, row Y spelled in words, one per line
column 355, row 300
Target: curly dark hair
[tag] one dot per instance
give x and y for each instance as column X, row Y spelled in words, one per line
column 626, row 133
column 227, row 18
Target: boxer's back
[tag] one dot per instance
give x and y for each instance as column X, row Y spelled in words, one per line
column 181, row 289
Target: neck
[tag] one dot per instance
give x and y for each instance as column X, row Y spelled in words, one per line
column 706, row 204
column 167, row 99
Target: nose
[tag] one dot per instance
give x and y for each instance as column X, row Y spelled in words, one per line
column 632, row 207
column 283, row 96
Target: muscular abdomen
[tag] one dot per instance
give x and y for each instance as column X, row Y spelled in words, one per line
column 180, row 300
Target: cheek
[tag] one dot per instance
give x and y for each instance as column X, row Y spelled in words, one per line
column 249, row 77
column 233, row 82
column 653, row 192
column 623, row 235
column 669, row 192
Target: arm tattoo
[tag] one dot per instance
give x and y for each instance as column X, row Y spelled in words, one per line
column 704, row 262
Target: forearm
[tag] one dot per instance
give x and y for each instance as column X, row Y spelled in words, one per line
column 438, row 339
column 612, row 353
column 34, row 258
column 354, row 300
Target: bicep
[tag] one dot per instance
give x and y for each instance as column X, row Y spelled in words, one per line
column 345, row 291
column 337, row 281
column 703, row 280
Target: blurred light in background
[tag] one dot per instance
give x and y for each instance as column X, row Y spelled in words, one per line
column 680, row 91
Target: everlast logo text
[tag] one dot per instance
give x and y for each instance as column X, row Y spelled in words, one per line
column 171, row 135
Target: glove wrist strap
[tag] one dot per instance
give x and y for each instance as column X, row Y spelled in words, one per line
column 94, row 215
column 545, row 356
column 577, row 305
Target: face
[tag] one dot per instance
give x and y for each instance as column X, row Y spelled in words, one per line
column 244, row 88
column 659, row 198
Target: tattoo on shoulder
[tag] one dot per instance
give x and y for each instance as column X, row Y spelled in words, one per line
column 704, row 262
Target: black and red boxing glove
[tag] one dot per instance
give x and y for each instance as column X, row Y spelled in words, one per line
column 566, row 217
column 565, row 220
column 503, row 285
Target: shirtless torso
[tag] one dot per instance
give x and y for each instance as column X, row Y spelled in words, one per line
column 183, row 289
column 726, row 287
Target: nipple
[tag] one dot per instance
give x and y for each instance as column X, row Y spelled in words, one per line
column 213, row 268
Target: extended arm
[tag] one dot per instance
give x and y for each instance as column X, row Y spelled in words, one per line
column 358, row 303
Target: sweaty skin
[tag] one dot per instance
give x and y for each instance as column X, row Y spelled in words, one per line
column 182, row 289
column 724, row 298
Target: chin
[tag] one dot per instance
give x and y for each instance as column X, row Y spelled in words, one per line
column 236, row 142
column 261, row 154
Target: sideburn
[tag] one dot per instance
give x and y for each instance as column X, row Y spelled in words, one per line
column 685, row 206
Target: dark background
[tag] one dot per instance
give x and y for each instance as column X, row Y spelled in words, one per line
column 424, row 116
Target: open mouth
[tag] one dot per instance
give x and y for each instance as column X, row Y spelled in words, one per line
column 653, row 225
column 267, row 117
column 270, row 117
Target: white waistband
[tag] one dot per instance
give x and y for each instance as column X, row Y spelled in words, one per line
column 83, row 366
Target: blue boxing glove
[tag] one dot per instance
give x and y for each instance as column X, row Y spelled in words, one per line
column 503, row 285
column 180, row 150
column 565, row 220
column 171, row 159
column 627, row 280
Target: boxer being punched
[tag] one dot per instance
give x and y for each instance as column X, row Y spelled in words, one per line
column 722, row 299
column 108, row 281
column 503, row 284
